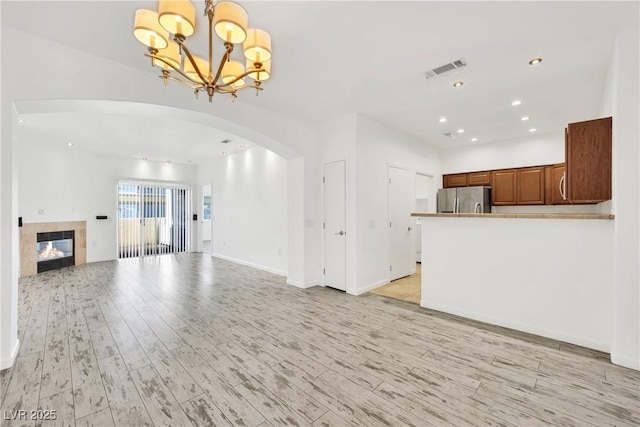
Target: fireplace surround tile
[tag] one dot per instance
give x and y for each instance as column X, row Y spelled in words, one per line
column 28, row 232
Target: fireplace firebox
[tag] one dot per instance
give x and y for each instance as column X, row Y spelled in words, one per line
column 55, row 250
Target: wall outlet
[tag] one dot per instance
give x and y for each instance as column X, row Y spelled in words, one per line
column 40, row 211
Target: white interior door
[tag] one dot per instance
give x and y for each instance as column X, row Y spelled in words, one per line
column 401, row 225
column 335, row 232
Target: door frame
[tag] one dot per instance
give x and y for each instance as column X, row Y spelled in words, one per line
column 346, row 222
column 190, row 230
column 201, row 219
column 412, row 174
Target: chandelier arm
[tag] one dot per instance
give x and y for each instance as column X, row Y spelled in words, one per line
column 223, row 60
column 196, row 83
column 242, row 76
column 184, row 82
column 235, row 89
column 193, row 62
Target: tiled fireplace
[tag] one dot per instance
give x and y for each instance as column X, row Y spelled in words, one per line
column 49, row 245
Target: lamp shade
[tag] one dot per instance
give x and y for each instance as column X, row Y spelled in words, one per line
column 147, row 30
column 232, row 70
column 177, row 16
column 231, row 22
column 201, row 63
column 262, row 75
column 257, row 46
column 170, row 54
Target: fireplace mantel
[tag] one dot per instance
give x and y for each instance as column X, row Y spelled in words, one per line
column 28, row 232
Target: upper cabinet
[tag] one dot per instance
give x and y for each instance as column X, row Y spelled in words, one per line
column 555, row 192
column 588, row 161
column 454, row 180
column 531, row 186
column 480, row 178
column 504, row 187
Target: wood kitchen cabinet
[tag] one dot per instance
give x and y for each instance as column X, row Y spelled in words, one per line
column 588, row 161
column 454, row 180
column 479, row 178
column 554, row 184
column 530, row 184
column 503, row 187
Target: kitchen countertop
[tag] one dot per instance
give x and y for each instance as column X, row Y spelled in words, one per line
column 513, row 215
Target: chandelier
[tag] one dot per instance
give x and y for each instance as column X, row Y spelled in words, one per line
column 177, row 62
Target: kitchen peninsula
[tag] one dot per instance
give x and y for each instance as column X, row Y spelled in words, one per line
column 548, row 274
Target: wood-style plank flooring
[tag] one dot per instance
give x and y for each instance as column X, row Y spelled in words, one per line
column 189, row 339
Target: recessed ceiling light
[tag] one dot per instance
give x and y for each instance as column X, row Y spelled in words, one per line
column 145, row 158
column 460, row 130
column 535, row 61
column 69, row 144
column 443, row 120
column 532, row 130
column 474, row 139
column 524, row 118
column 21, row 121
column 516, row 102
column 458, row 84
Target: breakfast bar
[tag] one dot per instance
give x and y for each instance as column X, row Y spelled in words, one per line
column 547, row 274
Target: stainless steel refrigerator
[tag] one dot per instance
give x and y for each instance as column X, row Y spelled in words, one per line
column 464, row 200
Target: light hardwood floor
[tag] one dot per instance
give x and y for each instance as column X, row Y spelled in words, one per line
column 404, row 289
column 187, row 339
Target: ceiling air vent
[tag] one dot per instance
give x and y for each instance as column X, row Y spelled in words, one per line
column 225, row 141
column 446, row 68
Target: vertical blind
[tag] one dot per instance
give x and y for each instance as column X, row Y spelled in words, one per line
column 153, row 219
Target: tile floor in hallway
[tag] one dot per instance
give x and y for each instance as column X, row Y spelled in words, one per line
column 188, row 339
column 404, row 289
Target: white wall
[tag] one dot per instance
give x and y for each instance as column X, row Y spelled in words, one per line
column 249, row 208
column 533, row 150
column 69, row 184
column 377, row 148
column 553, row 277
column 621, row 101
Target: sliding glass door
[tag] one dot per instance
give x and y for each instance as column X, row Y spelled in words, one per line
column 152, row 219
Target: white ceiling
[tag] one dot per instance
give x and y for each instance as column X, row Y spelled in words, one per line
column 335, row 58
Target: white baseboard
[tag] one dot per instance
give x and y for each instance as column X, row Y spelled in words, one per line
column 7, row 362
column 627, row 362
column 370, row 286
column 301, row 285
column 250, row 264
column 518, row 326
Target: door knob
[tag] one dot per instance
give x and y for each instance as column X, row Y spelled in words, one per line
column 340, row 233
column 409, row 228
